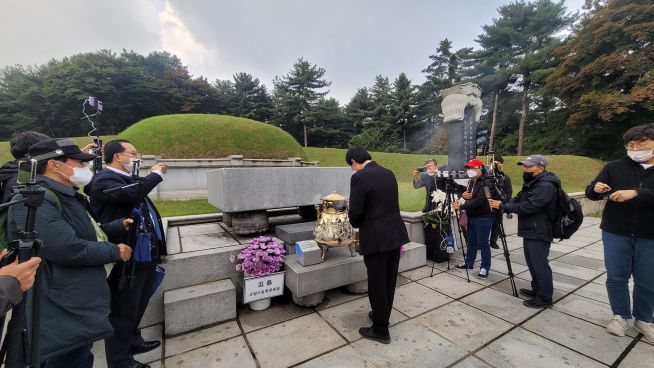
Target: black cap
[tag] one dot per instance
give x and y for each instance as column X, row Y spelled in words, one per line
column 57, row 147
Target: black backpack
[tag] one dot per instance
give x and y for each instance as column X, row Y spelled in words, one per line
column 568, row 216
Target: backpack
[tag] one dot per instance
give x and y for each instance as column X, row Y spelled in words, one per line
column 568, row 216
column 4, row 217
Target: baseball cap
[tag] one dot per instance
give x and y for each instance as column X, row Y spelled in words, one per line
column 58, row 147
column 534, row 160
column 474, row 162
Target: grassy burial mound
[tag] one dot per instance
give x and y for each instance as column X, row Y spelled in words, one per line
column 210, row 136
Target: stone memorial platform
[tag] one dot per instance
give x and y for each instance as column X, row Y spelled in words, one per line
column 240, row 190
column 308, row 284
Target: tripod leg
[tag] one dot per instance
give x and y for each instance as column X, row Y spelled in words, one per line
column 507, row 255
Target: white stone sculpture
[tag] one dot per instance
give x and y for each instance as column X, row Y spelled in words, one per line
column 457, row 98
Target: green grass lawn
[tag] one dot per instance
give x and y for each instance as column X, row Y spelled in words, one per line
column 171, row 208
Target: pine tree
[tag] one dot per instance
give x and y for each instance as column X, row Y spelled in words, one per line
column 296, row 94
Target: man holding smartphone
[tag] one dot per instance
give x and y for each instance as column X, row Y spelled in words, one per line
column 427, row 177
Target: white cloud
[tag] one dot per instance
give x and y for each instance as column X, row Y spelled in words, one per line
column 177, row 39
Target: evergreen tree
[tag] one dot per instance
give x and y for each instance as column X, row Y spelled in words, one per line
column 524, row 37
column 605, row 78
column 296, row 94
column 403, row 105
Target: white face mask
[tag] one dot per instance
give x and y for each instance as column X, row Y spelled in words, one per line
column 81, row 175
column 471, row 173
column 641, row 156
column 129, row 168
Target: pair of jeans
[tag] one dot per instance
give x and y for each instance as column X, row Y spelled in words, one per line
column 78, row 358
column 625, row 256
column 477, row 236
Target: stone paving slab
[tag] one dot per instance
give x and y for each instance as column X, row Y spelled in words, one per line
column 345, row 357
column 413, row 299
column 195, row 243
column 501, row 305
column 232, row 353
column 589, row 253
column 450, row 285
column 472, row 362
column 293, row 341
column 347, row 318
column 642, row 355
column 187, row 342
column 412, row 345
column 587, row 309
column 465, row 326
column 521, row 348
column 578, row 335
column 594, row 291
column 582, row 261
column 338, row 296
column 280, row 310
column 574, row 271
column 561, row 282
column 420, row 272
column 200, row 229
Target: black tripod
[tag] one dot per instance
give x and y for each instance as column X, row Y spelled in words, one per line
column 21, row 344
column 491, row 183
column 452, row 222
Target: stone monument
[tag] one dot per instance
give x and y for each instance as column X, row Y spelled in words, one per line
column 461, row 107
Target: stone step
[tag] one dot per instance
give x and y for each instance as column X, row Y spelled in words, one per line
column 192, row 268
column 198, row 306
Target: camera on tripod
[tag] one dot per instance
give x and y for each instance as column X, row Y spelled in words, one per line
column 452, row 174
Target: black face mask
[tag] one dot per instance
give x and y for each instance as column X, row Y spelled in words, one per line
column 527, row 176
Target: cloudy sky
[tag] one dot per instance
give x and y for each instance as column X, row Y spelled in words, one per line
column 354, row 40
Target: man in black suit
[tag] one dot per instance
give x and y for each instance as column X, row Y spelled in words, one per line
column 375, row 210
column 115, row 193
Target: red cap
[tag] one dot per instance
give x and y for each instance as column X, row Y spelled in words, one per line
column 474, row 163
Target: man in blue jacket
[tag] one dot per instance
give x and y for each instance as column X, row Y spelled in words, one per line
column 115, row 192
column 375, row 210
column 74, row 291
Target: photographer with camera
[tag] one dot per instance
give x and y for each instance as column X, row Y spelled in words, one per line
column 18, row 146
column 74, row 300
column 114, row 193
column 426, row 177
column 480, row 219
column 535, row 206
column 504, row 183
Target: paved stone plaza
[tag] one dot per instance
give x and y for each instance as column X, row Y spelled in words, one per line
column 437, row 321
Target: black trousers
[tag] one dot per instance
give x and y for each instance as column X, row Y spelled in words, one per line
column 382, row 277
column 536, row 252
column 127, row 308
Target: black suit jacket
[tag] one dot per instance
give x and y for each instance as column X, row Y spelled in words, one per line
column 119, row 203
column 375, row 210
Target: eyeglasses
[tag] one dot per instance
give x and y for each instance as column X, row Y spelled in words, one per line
column 133, row 153
column 636, row 146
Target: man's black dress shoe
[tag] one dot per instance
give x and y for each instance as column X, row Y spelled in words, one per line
column 494, row 246
column 368, row 333
column 136, row 364
column 528, row 292
column 537, row 302
column 144, row 347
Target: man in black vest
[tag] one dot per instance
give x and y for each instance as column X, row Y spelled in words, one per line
column 113, row 196
column 375, row 210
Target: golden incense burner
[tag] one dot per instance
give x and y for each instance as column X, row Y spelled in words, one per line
column 333, row 227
